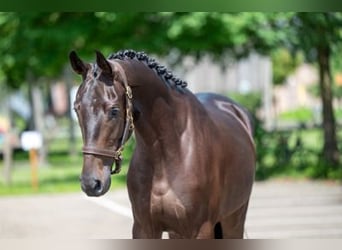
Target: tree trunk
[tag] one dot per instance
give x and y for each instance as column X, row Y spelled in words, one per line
column 330, row 150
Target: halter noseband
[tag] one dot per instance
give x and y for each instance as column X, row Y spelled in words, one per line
column 129, row 127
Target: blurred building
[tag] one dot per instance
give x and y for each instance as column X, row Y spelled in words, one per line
column 254, row 74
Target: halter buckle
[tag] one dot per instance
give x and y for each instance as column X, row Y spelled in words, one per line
column 129, row 92
column 118, row 153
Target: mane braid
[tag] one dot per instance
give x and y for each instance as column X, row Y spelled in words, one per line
column 161, row 70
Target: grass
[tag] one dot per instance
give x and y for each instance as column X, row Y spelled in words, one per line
column 305, row 114
column 300, row 115
column 51, row 179
column 60, row 174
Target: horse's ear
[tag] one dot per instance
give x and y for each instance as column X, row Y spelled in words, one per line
column 77, row 64
column 103, row 64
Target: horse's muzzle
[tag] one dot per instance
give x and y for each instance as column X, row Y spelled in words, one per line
column 93, row 186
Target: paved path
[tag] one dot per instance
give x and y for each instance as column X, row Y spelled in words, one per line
column 278, row 209
column 289, row 209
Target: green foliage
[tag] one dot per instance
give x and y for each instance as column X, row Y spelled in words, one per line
column 251, row 101
column 338, row 113
column 295, row 153
column 284, row 63
column 232, row 35
column 39, row 42
column 337, row 91
column 310, row 32
column 302, row 114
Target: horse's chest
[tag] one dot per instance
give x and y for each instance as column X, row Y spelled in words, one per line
column 165, row 204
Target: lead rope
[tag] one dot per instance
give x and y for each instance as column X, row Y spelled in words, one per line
column 129, row 125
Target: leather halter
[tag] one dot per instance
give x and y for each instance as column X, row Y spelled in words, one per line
column 129, row 127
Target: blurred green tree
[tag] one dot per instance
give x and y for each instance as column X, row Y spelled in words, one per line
column 284, row 63
column 318, row 35
column 38, row 43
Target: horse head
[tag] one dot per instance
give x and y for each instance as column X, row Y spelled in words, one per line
column 104, row 109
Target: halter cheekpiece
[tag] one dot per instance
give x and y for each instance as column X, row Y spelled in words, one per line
column 129, row 127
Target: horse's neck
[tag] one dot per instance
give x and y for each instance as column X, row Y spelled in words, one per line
column 162, row 115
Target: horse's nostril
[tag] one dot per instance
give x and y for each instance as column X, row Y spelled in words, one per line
column 92, row 186
column 97, row 185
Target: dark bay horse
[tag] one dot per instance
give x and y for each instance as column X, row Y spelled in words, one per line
column 192, row 169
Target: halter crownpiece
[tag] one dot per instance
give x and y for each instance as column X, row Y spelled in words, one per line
column 129, row 127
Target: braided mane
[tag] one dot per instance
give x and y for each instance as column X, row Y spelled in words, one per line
column 161, row 70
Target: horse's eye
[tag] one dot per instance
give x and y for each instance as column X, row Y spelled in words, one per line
column 113, row 112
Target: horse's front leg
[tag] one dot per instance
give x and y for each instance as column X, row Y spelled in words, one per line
column 145, row 232
column 206, row 231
